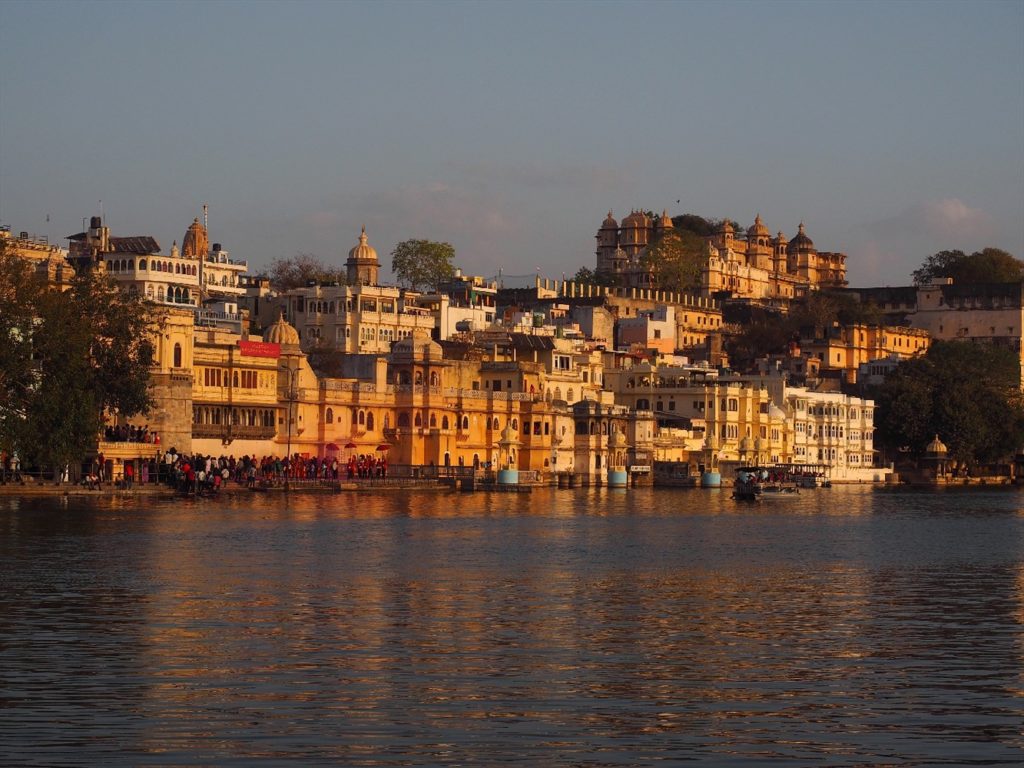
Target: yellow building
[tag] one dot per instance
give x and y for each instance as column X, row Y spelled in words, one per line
column 847, row 348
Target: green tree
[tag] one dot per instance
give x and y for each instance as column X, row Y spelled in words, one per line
column 676, row 261
column 300, row 270
column 968, row 394
column 989, row 265
column 66, row 359
column 594, row 277
column 20, row 293
column 422, row 264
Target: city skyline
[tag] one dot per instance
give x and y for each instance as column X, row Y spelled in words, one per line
column 509, row 133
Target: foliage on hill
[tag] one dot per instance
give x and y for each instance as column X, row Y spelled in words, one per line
column 967, row 394
column 676, row 261
column 989, row 265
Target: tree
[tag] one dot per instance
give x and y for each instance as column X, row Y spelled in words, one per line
column 66, row 359
column 594, row 277
column 300, row 270
column 968, row 394
column 422, row 264
column 20, row 292
column 676, row 260
column 989, row 265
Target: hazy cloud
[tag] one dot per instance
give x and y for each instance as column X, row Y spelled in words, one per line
column 950, row 219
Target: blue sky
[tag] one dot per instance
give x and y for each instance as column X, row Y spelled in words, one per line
column 893, row 130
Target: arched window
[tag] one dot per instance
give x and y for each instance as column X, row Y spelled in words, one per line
column 404, row 377
column 369, row 422
column 433, row 378
column 465, row 423
column 570, row 397
column 177, row 355
column 495, row 424
column 419, row 419
column 403, row 419
column 362, row 418
column 235, row 379
column 419, row 377
column 515, row 424
column 433, row 421
column 142, row 264
column 160, row 293
column 329, row 416
column 355, row 417
column 444, row 422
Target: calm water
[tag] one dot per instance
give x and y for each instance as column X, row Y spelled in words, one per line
column 850, row 627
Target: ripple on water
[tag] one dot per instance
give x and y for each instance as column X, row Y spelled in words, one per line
column 575, row 628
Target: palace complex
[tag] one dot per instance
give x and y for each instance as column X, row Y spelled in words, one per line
column 758, row 265
column 561, row 377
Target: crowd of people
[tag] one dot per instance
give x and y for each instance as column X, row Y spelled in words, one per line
column 208, row 474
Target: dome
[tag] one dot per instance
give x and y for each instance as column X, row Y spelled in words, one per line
column 616, row 439
column 745, row 444
column 364, row 251
column 760, row 444
column 801, row 243
column 936, row 446
column 281, row 332
column 609, row 222
column 418, row 346
column 776, row 413
column 637, row 219
column 758, row 229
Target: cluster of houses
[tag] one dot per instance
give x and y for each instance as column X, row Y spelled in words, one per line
column 558, row 379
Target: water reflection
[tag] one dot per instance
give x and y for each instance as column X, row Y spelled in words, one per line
column 852, row 627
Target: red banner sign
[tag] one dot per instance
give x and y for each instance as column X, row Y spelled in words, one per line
column 259, row 348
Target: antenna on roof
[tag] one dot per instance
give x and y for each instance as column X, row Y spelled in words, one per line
column 206, row 218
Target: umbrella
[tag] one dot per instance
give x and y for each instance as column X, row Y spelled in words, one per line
column 350, row 444
column 332, row 446
column 383, row 447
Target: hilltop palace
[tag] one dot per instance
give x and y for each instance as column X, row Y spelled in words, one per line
column 762, row 266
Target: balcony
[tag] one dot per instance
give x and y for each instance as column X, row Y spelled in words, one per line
column 233, row 432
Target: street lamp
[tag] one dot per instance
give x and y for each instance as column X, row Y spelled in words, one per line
column 291, row 396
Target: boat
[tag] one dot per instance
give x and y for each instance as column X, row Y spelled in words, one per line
column 747, row 486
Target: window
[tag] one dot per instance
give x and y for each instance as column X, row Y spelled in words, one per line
column 329, row 418
column 177, row 355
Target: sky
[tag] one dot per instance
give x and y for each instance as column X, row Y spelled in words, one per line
column 892, row 130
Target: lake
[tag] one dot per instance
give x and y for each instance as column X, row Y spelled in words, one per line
column 587, row 627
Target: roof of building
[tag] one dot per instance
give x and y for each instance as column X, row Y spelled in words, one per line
column 281, row 332
column 800, row 242
column 364, row 252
